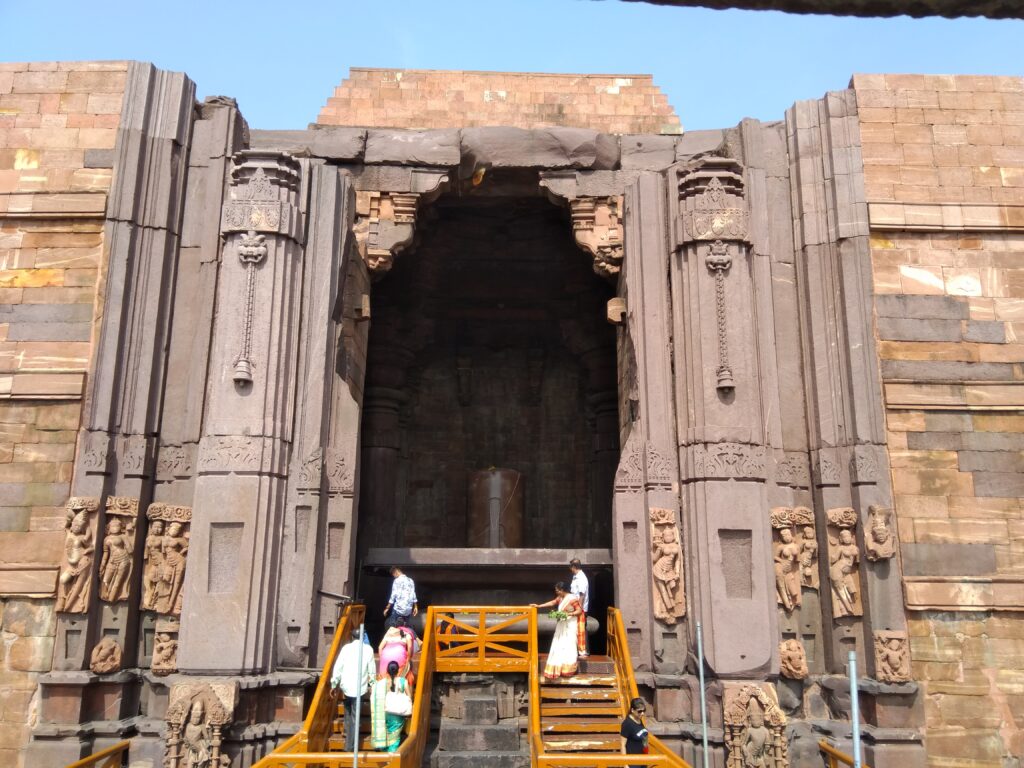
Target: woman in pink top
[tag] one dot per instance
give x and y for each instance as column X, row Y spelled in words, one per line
column 396, row 646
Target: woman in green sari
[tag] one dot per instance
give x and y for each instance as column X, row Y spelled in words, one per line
column 390, row 707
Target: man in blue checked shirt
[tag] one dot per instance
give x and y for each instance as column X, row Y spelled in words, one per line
column 403, row 598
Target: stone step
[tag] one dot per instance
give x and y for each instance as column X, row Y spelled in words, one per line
column 456, row 737
column 567, row 693
column 480, row 710
column 580, row 725
column 587, row 709
column 476, row 760
column 593, row 681
column 579, row 743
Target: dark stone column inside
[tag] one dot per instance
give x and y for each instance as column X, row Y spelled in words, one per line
column 489, row 348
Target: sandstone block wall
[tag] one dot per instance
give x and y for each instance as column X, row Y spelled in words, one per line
column 58, row 123
column 944, row 175
column 411, row 98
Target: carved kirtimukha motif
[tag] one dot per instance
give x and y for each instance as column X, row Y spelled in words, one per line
column 165, row 556
column 844, row 563
column 118, row 548
column 793, row 659
column 892, row 657
column 711, row 195
column 879, row 541
column 106, row 656
column 755, row 727
column 74, row 581
column 196, row 716
column 667, row 566
column 259, row 182
column 597, row 227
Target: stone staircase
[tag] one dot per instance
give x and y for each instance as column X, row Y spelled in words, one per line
column 581, row 713
column 480, row 736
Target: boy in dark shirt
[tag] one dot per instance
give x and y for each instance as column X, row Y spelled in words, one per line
column 633, row 730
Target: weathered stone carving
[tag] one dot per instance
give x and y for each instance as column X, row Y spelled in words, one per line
column 95, row 451
column 597, row 227
column 799, row 521
column 667, row 566
column 118, row 547
column 826, row 468
column 259, row 181
column 728, row 460
column 385, row 226
column 340, row 472
column 794, row 471
column 165, row 647
column 808, row 557
column 132, row 454
column 793, row 659
column 230, row 452
column 196, row 717
column 659, row 469
column 892, row 657
column 629, row 476
column 106, row 656
column 165, row 556
column 786, row 554
column 879, row 542
column 75, row 579
column 864, row 464
column 311, row 471
column 712, row 206
column 174, row 461
column 252, row 250
column 844, row 563
column 718, row 261
column 755, row 727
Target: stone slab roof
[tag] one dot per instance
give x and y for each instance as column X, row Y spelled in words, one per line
column 993, row 9
column 424, row 99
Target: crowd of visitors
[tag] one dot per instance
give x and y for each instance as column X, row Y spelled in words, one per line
column 391, row 680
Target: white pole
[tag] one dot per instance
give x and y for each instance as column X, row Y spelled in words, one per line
column 359, row 698
column 703, row 698
column 854, row 709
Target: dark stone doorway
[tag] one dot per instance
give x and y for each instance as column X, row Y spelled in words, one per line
column 489, row 346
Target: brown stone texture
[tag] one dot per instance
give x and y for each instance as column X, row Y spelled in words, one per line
column 416, row 98
column 944, row 175
column 993, row 9
column 57, row 128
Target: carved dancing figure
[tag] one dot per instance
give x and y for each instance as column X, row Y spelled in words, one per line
column 154, row 560
column 73, row 583
column 165, row 651
column 116, row 564
column 891, row 659
column 667, row 556
column 174, row 550
column 809, row 559
column 787, row 570
column 880, row 543
column 842, row 565
column 758, row 738
column 793, row 659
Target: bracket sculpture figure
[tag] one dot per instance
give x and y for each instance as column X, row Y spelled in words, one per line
column 74, row 582
column 892, row 657
column 793, row 659
column 196, row 716
column 116, row 564
column 166, row 554
column 844, row 563
column 879, row 542
column 667, row 566
column 755, row 727
column 106, row 656
column 597, row 229
column 165, row 646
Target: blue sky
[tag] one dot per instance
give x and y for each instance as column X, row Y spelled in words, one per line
column 282, row 60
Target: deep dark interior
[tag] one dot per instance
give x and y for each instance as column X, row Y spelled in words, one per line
column 489, row 346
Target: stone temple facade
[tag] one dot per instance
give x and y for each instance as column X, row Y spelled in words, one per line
column 766, row 378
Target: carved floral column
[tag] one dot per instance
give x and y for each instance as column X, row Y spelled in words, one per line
column 722, row 427
column 234, row 553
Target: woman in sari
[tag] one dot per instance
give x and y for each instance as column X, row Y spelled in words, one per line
column 562, row 657
column 386, row 727
column 395, row 646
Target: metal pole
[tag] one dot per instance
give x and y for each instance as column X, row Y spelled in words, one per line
column 854, row 709
column 359, row 698
column 703, row 697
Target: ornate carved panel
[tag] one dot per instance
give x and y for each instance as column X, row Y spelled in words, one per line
column 726, row 460
column 794, row 470
column 800, row 542
column 892, row 657
column 241, row 453
column 755, row 727
column 74, row 582
column 827, row 467
column 597, row 227
column 197, row 714
column 340, row 466
column 165, row 557
column 116, row 564
column 261, row 183
column 844, row 563
column 793, row 659
column 106, row 656
column 667, row 566
column 711, row 201
column 165, row 647
column 96, row 450
column 629, row 477
column 864, row 464
column 880, row 539
column 175, row 462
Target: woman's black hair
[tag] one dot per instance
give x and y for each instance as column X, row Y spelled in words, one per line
column 635, row 704
column 401, row 621
column 560, row 587
column 392, row 671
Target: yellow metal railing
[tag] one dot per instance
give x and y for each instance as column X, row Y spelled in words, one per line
column 111, row 757
column 835, row 758
column 485, row 639
column 618, row 652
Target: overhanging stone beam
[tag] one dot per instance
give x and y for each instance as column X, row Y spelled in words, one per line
column 993, row 9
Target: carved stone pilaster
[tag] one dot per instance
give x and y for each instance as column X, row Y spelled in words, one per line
column 597, row 228
column 74, row 582
column 197, row 714
column 116, row 561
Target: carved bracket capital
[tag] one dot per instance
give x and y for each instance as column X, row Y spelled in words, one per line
column 385, row 226
column 597, row 228
column 712, row 205
column 264, row 195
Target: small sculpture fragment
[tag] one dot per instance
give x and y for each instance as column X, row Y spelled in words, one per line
column 892, row 657
column 793, row 659
column 755, row 728
column 118, row 548
column 844, row 563
column 796, row 562
column 667, row 566
column 165, row 556
column 106, row 656
column 196, row 717
column 75, row 578
column 880, row 542
column 165, row 647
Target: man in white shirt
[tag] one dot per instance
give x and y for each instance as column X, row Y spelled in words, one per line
column 403, row 600
column 353, row 681
column 581, row 588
